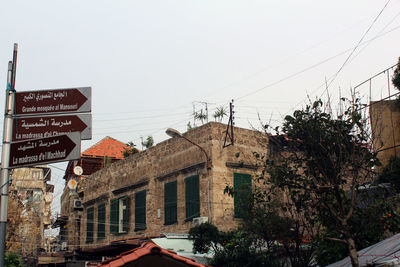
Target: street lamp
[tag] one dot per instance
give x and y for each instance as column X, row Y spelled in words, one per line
column 174, row 133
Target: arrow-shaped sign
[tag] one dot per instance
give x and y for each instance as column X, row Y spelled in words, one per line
column 25, row 128
column 53, row 101
column 45, row 150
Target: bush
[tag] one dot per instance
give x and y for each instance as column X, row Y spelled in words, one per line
column 12, row 259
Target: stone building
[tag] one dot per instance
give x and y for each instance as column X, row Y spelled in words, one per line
column 168, row 188
column 385, row 125
column 30, row 188
column 98, row 156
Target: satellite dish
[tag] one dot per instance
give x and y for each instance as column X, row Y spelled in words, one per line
column 78, row 170
column 72, row 184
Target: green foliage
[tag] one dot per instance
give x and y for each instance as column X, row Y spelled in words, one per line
column 326, row 162
column 369, row 225
column 12, row 259
column 189, row 126
column 149, row 142
column 234, row 248
column 264, row 237
column 205, row 236
column 201, row 116
column 328, row 251
column 220, row 113
column 391, row 173
column 396, row 76
column 130, row 150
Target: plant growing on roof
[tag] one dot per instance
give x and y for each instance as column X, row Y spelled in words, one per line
column 130, row 149
column 201, row 116
column 149, row 142
column 220, row 113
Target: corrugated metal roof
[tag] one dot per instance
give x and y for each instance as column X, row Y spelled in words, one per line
column 384, row 253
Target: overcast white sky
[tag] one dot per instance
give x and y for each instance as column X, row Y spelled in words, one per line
column 148, row 62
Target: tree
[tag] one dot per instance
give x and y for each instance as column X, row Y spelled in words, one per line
column 149, row 142
column 130, row 149
column 235, row 248
column 220, row 113
column 396, row 76
column 326, row 160
column 391, row 174
column 264, row 237
column 200, row 116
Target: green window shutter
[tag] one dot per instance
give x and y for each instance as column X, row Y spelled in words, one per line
column 170, row 203
column 89, row 224
column 101, row 221
column 114, row 215
column 192, row 197
column 241, row 186
column 126, row 213
column 140, row 210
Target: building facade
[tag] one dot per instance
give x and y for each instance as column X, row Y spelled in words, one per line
column 168, row 188
column 33, row 196
column 385, row 125
column 98, row 156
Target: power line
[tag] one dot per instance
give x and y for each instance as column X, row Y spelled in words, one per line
column 310, row 67
column 357, row 45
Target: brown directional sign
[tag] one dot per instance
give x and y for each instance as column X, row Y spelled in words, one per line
column 53, row 101
column 45, row 150
column 25, row 128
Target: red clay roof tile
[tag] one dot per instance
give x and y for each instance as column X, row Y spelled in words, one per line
column 147, row 248
column 107, row 147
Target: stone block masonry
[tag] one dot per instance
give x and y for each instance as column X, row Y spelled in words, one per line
column 172, row 160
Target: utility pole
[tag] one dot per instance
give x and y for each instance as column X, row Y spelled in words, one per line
column 229, row 127
column 5, row 156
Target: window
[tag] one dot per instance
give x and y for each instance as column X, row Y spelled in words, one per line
column 192, row 197
column 119, row 215
column 101, row 221
column 89, row 224
column 140, row 210
column 242, row 186
column 170, row 203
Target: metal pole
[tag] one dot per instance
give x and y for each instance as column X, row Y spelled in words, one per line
column 5, row 155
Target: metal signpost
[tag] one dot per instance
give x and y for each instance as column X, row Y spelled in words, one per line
column 39, row 129
column 5, row 155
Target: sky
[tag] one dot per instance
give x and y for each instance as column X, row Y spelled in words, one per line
column 152, row 63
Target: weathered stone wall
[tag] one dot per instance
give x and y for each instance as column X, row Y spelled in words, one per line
column 385, row 121
column 174, row 160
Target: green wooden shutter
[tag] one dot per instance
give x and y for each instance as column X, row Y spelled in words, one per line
column 89, row 224
column 170, row 203
column 192, row 197
column 241, row 185
column 114, row 215
column 101, row 221
column 140, row 210
column 126, row 214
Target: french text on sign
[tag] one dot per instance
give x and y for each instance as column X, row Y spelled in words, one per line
column 34, row 127
column 53, row 101
column 45, row 150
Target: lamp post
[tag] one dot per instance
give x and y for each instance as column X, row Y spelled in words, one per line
column 174, row 133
